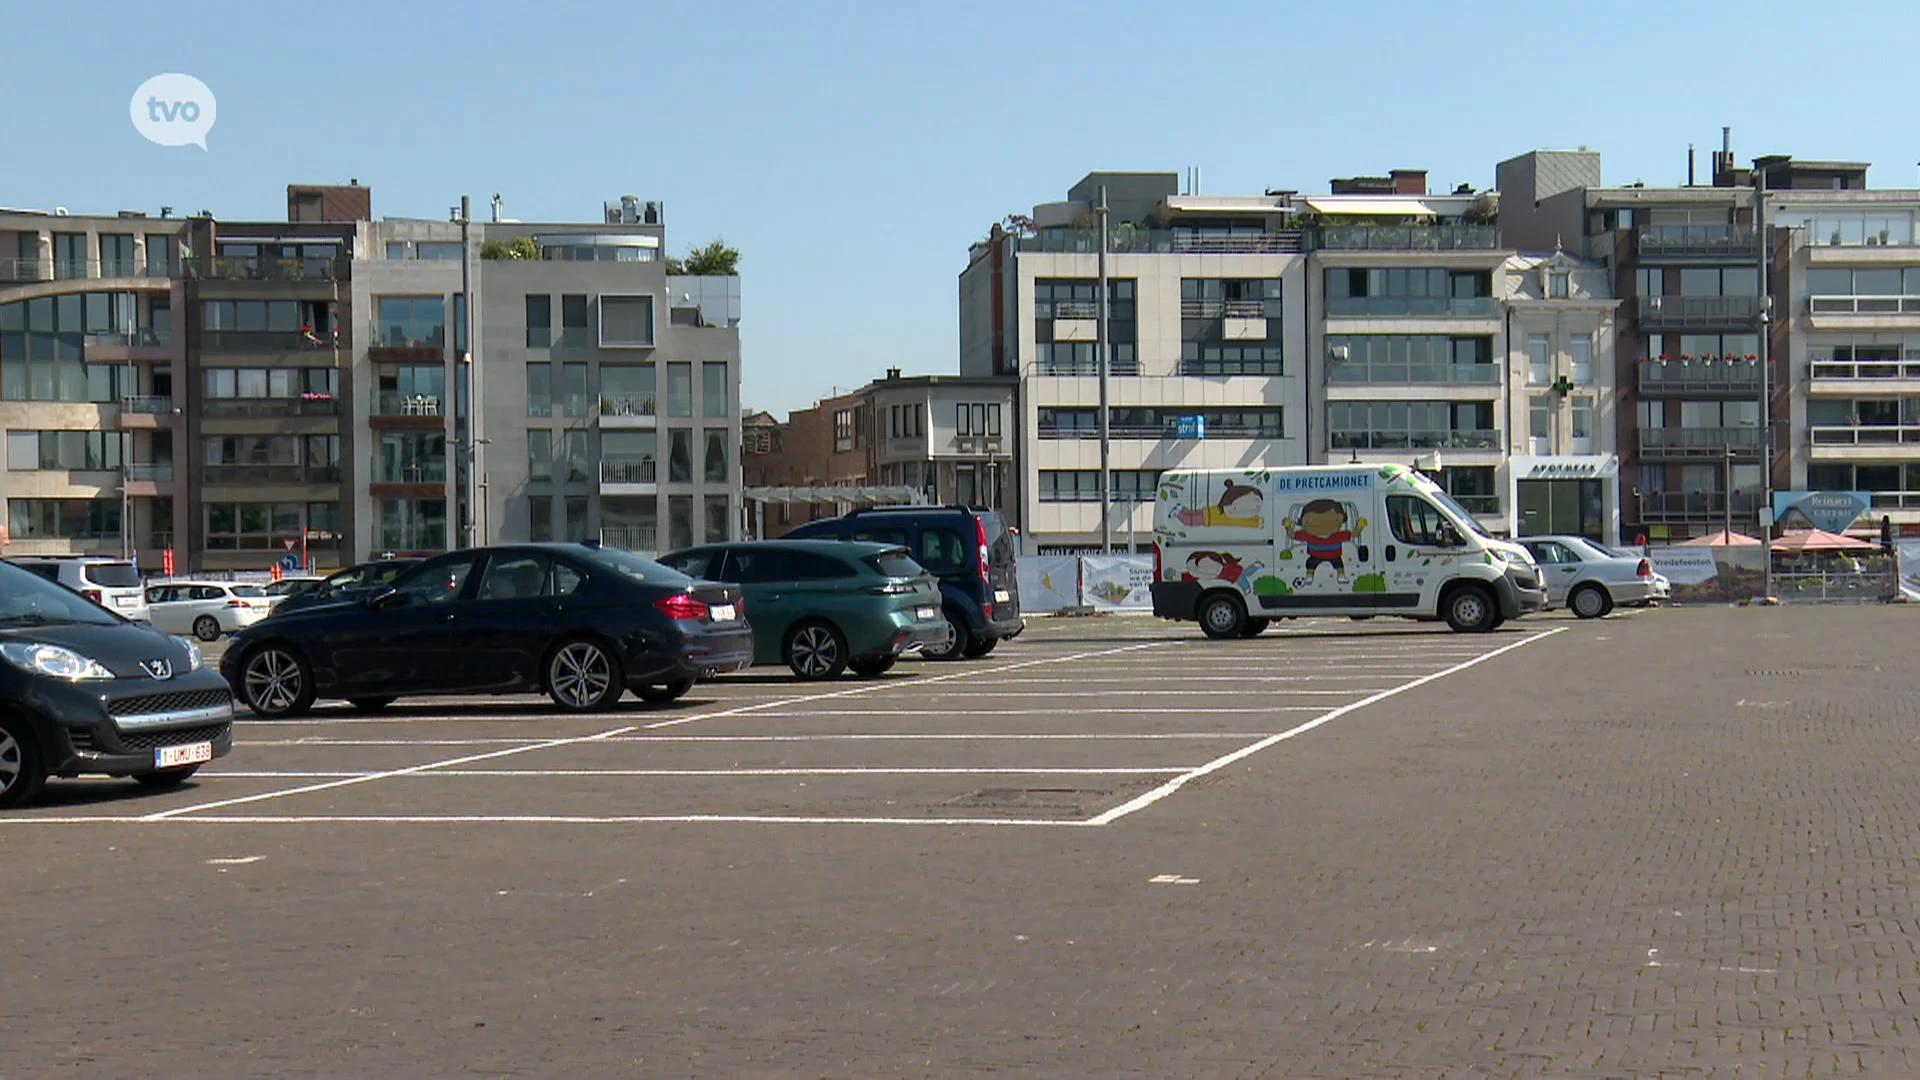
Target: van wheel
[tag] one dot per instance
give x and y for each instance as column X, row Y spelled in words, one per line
column 981, row 647
column 1590, row 602
column 1470, row 610
column 1255, row 627
column 959, row 638
column 21, row 771
column 1223, row 616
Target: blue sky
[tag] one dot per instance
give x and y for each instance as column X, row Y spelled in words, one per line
column 852, row 151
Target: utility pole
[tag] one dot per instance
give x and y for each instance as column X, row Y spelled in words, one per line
column 131, row 388
column 1727, row 537
column 1100, row 361
column 470, row 495
column 1766, row 382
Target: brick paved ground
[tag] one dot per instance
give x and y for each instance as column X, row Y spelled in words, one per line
column 1676, row 844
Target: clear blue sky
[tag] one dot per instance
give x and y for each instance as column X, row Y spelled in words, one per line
column 852, row 150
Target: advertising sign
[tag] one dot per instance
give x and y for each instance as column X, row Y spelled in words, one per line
column 1832, row 511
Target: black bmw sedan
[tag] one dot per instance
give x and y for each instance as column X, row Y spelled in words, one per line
column 578, row 622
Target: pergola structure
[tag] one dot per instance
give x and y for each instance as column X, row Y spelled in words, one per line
column 815, row 495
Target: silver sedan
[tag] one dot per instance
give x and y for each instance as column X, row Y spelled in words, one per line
column 1590, row 579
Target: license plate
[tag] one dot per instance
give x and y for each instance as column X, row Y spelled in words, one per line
column 925, row 614
column 1001, row 596
column 169, row 757
column 722, row 612
column 126, row 601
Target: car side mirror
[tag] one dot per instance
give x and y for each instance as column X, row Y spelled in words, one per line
column 384, row 596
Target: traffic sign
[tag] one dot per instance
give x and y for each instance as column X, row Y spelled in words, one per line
column 290, row 543
column 289, row 562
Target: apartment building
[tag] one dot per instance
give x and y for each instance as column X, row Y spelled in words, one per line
column 949, row 438
column 316, row 384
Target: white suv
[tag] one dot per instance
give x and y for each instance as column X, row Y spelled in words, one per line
column 114, row 584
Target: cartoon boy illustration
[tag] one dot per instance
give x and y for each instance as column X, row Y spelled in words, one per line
column 1239, row 507
column 1213, row 566
column 1323, row 529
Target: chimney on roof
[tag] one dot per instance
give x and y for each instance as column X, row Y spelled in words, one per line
column 1409, row 181
column 893, row 373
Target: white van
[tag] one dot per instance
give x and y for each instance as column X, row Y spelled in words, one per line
column 112, row 583
column 1235, row 548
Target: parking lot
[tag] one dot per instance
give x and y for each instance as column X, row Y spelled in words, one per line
column 1660, row 844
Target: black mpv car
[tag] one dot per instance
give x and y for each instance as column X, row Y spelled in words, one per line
column 84, row 691
column 581, row 623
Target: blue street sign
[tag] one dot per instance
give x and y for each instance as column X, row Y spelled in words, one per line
column 290, row 561
column 1190, row 427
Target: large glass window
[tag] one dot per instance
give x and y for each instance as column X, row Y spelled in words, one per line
column 253, row 526
column 539, row 454
column 578, row 462
column 719, row 519
column 412, row 457
column 626, row 322
column 679, row 389
column 680, row 456
column 717, row 470
column 626, row 390
column 1539, row 359
column 1418, row 425
column 539, row 518
column 573, row 389
column 1580, row 348
column 713, row 391
column 576, row 523
column 74, row 451
column 539, row 390
column 412, row 525
column 539, row 321
column 412, row 321
column 1083, row 485
column 63, row 519
column 679, row 521
column 1403, row 290
column 1404, row 359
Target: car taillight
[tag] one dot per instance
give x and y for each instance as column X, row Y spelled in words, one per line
column 236, row 603
column 681, row 606
column 892, row 588
column 1645, row 570
column 980, row 535
column 94, row 595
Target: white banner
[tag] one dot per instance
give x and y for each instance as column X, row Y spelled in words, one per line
column 1117, row 582
column 1049, row 583
column 1909, row 553
column 1684, row 565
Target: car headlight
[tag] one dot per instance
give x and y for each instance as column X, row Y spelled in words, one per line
column 1516, row 558
column 193, row 653
column 54, row 661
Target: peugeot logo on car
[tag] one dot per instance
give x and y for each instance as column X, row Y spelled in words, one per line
column 159, row 669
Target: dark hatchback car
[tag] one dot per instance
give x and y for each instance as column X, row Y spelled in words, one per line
column 352, row 583
column 578, row 622
column 969, row 551
column 84, row 691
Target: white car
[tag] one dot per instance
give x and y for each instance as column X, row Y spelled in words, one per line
column 206, row 609
column 114, row 584
column 1590, row 579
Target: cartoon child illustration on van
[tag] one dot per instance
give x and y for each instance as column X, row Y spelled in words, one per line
column 1239, row 507
column 1322, row 529
column 1213, row 566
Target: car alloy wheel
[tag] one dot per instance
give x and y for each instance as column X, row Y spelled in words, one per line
column 580, row 675
column 13, row 761
column 274, row 682
column 21, row 775
column 813, row 653
column 206, row 628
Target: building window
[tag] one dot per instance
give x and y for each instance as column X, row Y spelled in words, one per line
column 573, row 319
column 539, row 321
column 539, row 518
column 416, row 390
column 412, row 525
column 416, row 322
column 717, row 470
column 679, row 389
column 577, row 459
column 1580, row 347
column 1539, row 359
column 253, row 526
column 1557, row 285
column 1472, row 486
column 438, row 250
column 161, row 262
column 323, row 522
column 322, row 459
column 843, row 429
column 412, row 457
column 1581, row 423
column 69, row 256
column 719, row 519
column 713, row 391
column 976, row 419
column 540, row 455
column 626, row 322
column 576, row 524
column 63, row 519
column 1410, row 359
column 1540, row 423
column 1162, row 422
column 539, row 390
column 573, row 390
column 1402, row 290
column 1412, row 425
column 680, row 456
column 679, row 522
column 1083, row 485
column 309, row 384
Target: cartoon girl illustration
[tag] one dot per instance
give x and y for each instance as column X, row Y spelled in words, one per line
column 1213, row 566
column 1322, row 528
column 1239, row 507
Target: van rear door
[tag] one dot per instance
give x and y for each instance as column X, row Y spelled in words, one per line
column 1003, row 577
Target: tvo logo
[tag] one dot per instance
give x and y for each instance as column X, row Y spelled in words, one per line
column 173, row 110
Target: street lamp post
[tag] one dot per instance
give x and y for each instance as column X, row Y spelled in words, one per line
column 1727, row 536
column 1766, row 381
column 1100, row 363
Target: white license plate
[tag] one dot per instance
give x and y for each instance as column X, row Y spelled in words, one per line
column 126, row 601
column 925, row 614
column 722, row 612
column 1001, row 596
column 169, row 757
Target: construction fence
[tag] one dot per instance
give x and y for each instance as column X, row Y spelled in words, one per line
column 1050, row 584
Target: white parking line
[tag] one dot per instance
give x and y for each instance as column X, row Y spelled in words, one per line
column 543, row 819
column 823, row 770
column 938, row 712
column 320, row 740
column 1141, row 802
column 325, row 785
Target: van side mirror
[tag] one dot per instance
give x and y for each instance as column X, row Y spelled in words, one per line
column 1449, row 536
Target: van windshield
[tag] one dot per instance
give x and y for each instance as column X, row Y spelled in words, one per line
column 112, row 575
column 1459, row 512
column 28, row 599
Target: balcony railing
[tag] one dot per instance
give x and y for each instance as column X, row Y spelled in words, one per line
column 263, row 268
column 411, row 538
column 403, row 336
column 1411, row 374
column 148, row 338
column 1675, row 377
column 629, row 471
column 1416, row 440
column 1474, row 307
column 1684, row 312
column 261, row 341
column 1864, row 369
column 1864, row 305
column 630, row 537
column 1162, row 241
column 1696, row 505
column 270, row 407
column 1865, row 435
column 255, row 474
column 1071, row 367
column 157, row 472
column 415, row 471
column 1720, row 241
column 400, row 403
column 1223, row 369
column 1168, row 430
column 1895, row 500
column 1405, row 238
column 159, row 406
column 1223, row 309
column 626, row 404
column 1698, row 442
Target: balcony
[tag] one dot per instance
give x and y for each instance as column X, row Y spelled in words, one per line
column 1863, row 305
column 157, row 472
column 258, row 341
column 31, row 269
column 411, row 338
column 626, row 410
column 417, row 538
column 146, row 413
column 410, row 471
column 1865, row 435
column 636, row 538
column 1405, row 238
column 1678, row 506
column 1698, row 443
column 1124, row 240
column 148, row 344
column 1700, row 312
column 1168, row 430
column 401, row 403
column 628, row 476
column 247, row 408
column 1684, row 378
column 1857, row 371
column 1411, row 374
column 262, row 474
column 1717, row 243
column 1114, row 367
column 1433, row 307
column 1416, row 440
column 1222, row 309
column 1886, row 501
column 263, row 268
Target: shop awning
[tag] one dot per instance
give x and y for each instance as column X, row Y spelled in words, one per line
column 1387, row 208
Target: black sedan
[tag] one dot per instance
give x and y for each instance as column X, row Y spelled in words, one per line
column 84, row 691
column 578, row 622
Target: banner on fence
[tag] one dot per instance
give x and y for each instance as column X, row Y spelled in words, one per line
column 1116, row 582
column 1909, row 552
column 1684, row 565
column 1049, row 583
